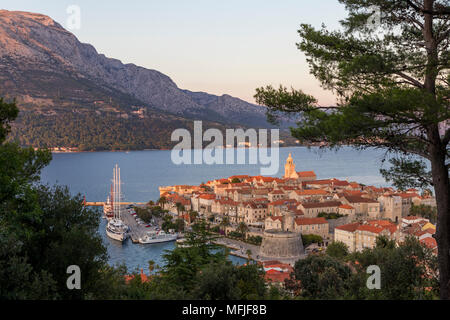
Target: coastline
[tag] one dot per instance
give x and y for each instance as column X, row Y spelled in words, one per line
column 166, row 149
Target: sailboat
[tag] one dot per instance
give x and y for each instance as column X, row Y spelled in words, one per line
column 116, row 229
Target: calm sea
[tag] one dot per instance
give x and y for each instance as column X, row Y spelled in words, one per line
column 143, row 171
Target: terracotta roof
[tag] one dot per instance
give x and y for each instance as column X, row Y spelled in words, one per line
column 430, row 242
column 309, row 221
column 406, row 195
column 346, row 206
column 276, row 276
column 264, row 179
column 280, row 218
column 376, row 226
column 380, row 222
column 297, row 212
column 144, row 277
column 324, row 181
column 306, row 174
column 351, row 227
column 373, row 229
column 325, row 204
column 276, row 192
column 310, row 192
column 358, row 199
column 221, row 180
column 279, row 265
column 282, row 202
column 207, row 196
column 340, row 183
column 184, row 202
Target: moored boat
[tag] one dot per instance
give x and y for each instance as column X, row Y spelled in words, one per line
column 158, row 237
column 116, row 229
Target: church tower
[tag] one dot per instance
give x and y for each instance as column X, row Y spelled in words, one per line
column 289, row 169
column 287, row 222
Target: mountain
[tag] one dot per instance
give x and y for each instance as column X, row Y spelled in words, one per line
column 44, row 65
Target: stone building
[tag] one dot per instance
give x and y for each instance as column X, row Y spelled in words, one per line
column 346, row 234
column 391, row 207
column 358, row 236
column 363, row 206
column 317, row 226
column 312, row 209
column 273, row 222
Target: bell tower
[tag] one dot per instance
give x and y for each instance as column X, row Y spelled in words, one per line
column 289, row 168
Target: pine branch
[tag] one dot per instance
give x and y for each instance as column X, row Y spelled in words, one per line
column 445, row 11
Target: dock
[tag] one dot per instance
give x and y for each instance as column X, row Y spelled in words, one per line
column 136, row 230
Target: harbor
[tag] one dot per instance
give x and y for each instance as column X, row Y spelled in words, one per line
column 136, row 230
column 123, row 223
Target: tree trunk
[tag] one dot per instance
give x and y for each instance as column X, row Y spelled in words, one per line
column 437, row 156
column 442, row 190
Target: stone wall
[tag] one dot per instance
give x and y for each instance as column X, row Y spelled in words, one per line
column 333, row 223
column 281, row 244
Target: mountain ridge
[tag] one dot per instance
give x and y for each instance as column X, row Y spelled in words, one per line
column 37, row 42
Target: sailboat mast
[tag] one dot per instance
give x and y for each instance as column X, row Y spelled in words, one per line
column 117, row 193
column 120, row 195
column 114, row 192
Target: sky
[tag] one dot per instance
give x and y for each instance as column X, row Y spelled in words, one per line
column 217, row 46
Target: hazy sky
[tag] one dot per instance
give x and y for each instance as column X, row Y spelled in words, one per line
column 217, row 46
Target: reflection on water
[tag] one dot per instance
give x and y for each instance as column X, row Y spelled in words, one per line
column 142, row 172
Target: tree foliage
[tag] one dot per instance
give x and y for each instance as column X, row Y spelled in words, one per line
column 392, row 86
column 338, row 250
column 44, row 230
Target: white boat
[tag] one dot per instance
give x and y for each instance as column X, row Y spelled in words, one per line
column 157, row 237
column 116, row 229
